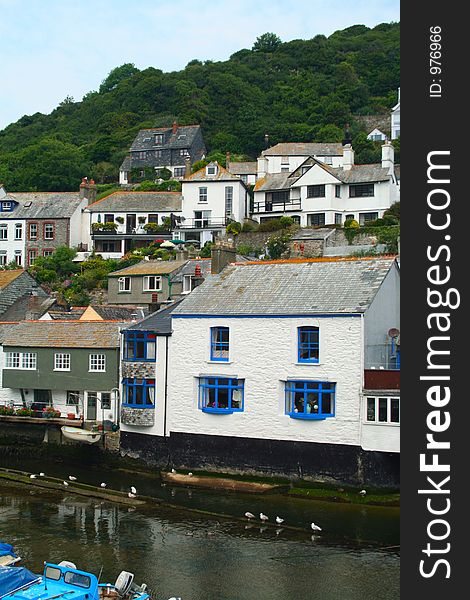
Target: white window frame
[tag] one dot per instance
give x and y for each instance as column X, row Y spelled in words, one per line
column 228, row 199
column 122, row 285
column 97, row 363
column 29, row 361
column 203, row 195
column 49, row 235
column 12, row 360
column 33, row 236
column 18, row 228
column 146, row 287
column 62, row 361
column 211, row 170
column 187, row 286
column 377, row 399
column 3, row 232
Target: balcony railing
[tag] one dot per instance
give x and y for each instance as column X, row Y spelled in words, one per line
column 382, row 356
column 270, row 207
column 129, row 232
column 202, row 223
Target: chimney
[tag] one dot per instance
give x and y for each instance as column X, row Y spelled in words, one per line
column 388, row 157
column 197, row 278
column 187, row 168
column 154, row 305
column 262, row 166
column 174, row 128
column 348, row 157
column 88, row 190
column 227, row 159
column 222, row 254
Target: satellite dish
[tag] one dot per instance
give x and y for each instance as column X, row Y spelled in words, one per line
column 393, row 332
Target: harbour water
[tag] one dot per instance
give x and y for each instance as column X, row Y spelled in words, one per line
column 196, row 556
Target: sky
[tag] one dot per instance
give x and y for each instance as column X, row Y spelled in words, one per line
column 50, row 49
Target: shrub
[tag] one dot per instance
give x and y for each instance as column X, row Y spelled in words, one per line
column 6, row 410
column 234, row 227
column 286, row 222
column 277, row 245
column 49, row 412
column 109, row 226
column 24, row 412
column 206, row 250
column 351, row 223
column 271, row 225
column 120, row 220
column 250, row 226
column 247, row 250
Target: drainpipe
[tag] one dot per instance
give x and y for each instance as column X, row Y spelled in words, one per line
column 166, row 386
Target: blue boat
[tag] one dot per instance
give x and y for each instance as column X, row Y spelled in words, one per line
column 8, row 556
column 67, row 582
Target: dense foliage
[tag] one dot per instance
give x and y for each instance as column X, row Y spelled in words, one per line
column 303, row 90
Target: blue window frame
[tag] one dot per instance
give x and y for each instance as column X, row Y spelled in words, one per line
column 139, row 393
column 140, row 345
column 309, row 344
column 220, row 341
column 221, row 395
column 310, row 399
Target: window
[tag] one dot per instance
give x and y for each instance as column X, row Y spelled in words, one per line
column 276, row 198
column 328, row 160
column 221, row 395
column 6, row 206
column 211, row 170
column 361, row 190
column 72, row 398
column 184, row 152
column 29, row 361
column 12, row 360
column 139, row 345
column 3, row 232
column 305, row 169
column 338, row 218
column 18, row 231
column 179, row 172
column 124, row 284
column 219, row 343
column 315, row 191
column 316, row 220
column 365, row 217
column 152, row 219
column 18, row 258
column 139, row 393
column 3, row 258
column 244, row 178
column 310, row 399
column 158, row 153
column 159, row 139
column 33, row 231
column 308, row 344
column 187, row 284
column 97, row 362
column 337, row 191
column 48, row 231
column 201, row 219
column 383, row 410
column 284, row 169
column 47, row 252
column 202, row 194
column 61, row 362
column 228, row 200
column 152, row 283
column 108, row 218
column 105, row 401
column 104, row 246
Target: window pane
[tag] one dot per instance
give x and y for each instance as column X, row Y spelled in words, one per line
column 383, row 410
column 222, row 400
column 139, row 349
column 139, row 397
column 236, row 398
column 327, row 403
column 312, row 403
column 298, row 402
column 394, row 410
column 371, row 409
column 150, row 350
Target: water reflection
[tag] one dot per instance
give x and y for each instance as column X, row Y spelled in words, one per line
column 194, row 557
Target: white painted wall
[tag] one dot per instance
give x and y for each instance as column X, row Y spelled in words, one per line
column 77, row 221
column 382, row 437
column 10, row 246
column 263, row 352
column 215, row 199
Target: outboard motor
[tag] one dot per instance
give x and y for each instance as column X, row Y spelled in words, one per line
column 124, row 582
column 68, row 564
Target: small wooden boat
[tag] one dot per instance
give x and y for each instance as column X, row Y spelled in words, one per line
column 81, row 435
column 220, row 483
column 8, row 557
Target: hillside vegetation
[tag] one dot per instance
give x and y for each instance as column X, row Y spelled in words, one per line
column 303, row 90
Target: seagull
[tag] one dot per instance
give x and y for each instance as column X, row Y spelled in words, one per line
column 190, row 474
column 249, row 515
column 131, row 495
column 103, row 485
column 173, row 471
column 41, row 474
column 279, row 520
column 315, row 527
column 362, row 493
column 65, row 483
column 32, row 476
column 264, row 518
column 72, row 478
column 133, row 490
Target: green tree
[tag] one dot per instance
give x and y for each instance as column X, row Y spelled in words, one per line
column 118, row 75
column 268, row 42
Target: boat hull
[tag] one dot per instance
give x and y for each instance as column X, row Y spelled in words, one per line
column 80, row 435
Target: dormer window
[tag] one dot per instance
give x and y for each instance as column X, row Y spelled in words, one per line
column 7, row 206
column 159, row 139
column 184, row 152
column 211, row 170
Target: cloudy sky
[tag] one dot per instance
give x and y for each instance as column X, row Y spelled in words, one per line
column 53, row 48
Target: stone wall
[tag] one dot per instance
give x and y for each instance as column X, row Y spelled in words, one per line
column 140, row 370
column 138, row 416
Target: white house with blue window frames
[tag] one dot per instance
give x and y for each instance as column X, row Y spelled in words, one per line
column 267, row 370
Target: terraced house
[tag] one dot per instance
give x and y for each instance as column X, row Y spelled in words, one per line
column 162, row 148
column 69, row 365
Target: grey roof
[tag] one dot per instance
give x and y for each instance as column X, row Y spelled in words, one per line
column 221, row 175
column 243, row 168
column 293, row 288
column 28, row 307
column 183, row 138
column 190, row 266
column 63, row 334
column 42, row 205
column 159, row 321
column 126, row 164
column 305, row 149
column 360, row 173
column 110, row 312
column 149, row 267
column 275, row 181
column 138, row 202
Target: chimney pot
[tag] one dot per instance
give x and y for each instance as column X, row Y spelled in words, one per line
column 175, row 127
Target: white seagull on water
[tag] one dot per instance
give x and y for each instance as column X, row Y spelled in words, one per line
column 65, row 483
column 315, row 527
column 263, row 517
column 279, row 520
column 41, row 474
column 131, row 495
column 32, row 476
column 72, row 478
column 133, row 490
column 103, row 485
column 249, row 515
column 362, row 493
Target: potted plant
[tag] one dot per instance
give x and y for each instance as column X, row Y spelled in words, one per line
column 24, row 412
column 141, row 219
column 6, row 411
column 120, row 220
column 49, row 412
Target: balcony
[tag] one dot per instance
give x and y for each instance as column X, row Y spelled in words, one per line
column 208, row 223
column 277, row 207
column 382, row 367
column 129, row 233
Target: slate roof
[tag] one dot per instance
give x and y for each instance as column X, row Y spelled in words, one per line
column 42, row 205
column 63, row 334
column 221, row 175
column 304, row 149
column 28, row 307
column 360, row 173
column 321, row 286
column 149, row 267
column 126, row 164
column 183, row 138
column 6, row 277
column 118, row 313
column 61, row 315
column 138, row 202
column 190, row 266
column 243, row 168
column 275, row 181
column 159, row 321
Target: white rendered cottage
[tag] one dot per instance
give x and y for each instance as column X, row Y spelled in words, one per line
column 267, row 371
column 212, row 197
column 318, row 194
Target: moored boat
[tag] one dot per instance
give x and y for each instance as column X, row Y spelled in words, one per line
column 81, row 435
column 8, row 556
column 64, row 579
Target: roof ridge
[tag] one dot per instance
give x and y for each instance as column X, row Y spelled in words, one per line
column 284, row 261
